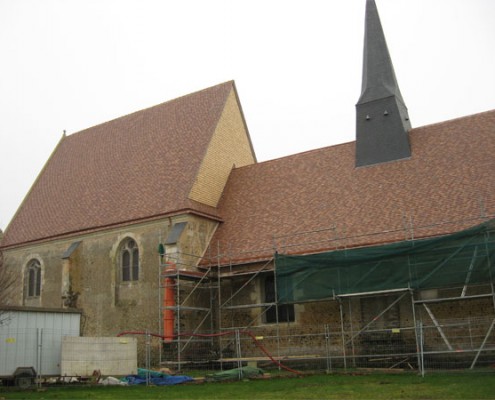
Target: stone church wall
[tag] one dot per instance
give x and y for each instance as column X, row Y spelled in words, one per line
column 90, row 278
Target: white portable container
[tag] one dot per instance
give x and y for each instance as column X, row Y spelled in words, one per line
column 31, row 341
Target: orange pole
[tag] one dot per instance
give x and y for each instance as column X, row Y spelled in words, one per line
column 168, row 312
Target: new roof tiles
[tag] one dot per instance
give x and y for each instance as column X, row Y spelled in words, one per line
column 318, row 200
column 138, row 166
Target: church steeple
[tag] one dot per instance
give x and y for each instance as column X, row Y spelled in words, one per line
column 382, row 122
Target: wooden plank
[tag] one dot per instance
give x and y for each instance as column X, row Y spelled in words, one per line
column 299, row 357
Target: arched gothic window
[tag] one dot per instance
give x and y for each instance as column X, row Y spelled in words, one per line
column 129, row 261
column 33, row 282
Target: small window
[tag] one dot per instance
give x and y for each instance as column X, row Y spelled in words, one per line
column 285, row 311
column 129, row 261
column 33, row 283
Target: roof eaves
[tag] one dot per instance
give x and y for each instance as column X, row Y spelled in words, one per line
column 66, row 235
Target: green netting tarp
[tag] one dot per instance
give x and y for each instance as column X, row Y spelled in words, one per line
column 465, row 257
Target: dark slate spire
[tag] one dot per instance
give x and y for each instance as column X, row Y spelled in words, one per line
column 382, row 121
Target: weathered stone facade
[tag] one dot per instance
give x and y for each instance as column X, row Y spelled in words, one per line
column 92, row 273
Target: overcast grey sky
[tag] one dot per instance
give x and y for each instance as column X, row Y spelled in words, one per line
column 72, row 64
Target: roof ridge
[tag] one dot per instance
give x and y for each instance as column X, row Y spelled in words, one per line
column 448, row 121
column 172, row 100
column 353, row 141
column 298, row 154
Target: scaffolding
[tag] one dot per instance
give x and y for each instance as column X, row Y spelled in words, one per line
column 189, row 310
column 341, row 338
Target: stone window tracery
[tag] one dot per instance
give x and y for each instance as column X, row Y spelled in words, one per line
column 33, row 281
column 129, row 261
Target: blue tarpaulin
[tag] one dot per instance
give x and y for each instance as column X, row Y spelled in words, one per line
column 158, row 381
column 155, row 378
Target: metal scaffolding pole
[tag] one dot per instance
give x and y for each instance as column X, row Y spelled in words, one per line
column 415, row 322
column 470, row 270
column 343, row 332
column 483, row 344
column 276, row 310
column 378, row 316
column 439, row 328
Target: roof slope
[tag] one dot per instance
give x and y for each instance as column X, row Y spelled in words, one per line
column 138, row 166
column 318, row 200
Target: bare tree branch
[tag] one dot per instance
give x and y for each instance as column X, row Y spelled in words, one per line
column 7, row 285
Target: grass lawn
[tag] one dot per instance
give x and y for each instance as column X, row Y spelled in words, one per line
column 373, row 386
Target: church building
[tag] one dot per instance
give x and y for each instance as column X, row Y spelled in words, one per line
column 163, row 221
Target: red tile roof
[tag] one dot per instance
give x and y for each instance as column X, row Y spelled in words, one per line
column 135, row 167
column 318, row 200
column 143, row 165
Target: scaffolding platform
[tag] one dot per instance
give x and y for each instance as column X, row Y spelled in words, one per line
column 183, row 274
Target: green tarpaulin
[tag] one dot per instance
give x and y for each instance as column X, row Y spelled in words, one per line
column 452, row 260
column 236, row 374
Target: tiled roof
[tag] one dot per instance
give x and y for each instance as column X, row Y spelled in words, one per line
column 135, row 167
column 318, row 200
